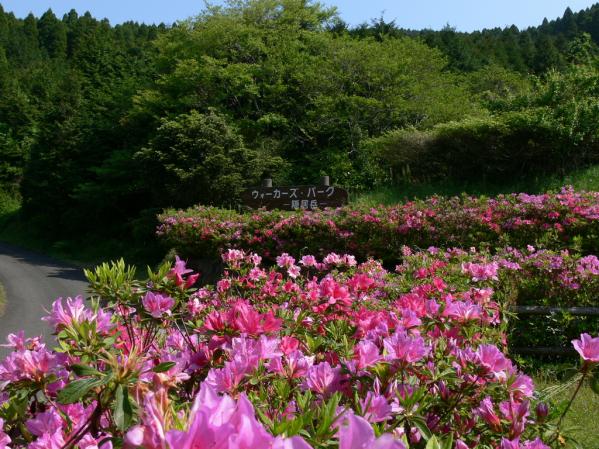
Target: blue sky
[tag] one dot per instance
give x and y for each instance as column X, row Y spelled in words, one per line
column 465, row 15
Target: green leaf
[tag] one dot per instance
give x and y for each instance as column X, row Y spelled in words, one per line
column 83, row 370
column 433, row 443
column 77, row 389
column 420, row 423
column 448, row 442
column 165, row 366
column 123, row 410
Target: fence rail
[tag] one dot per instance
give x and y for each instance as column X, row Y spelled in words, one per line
column 543, row 351
column 542, row 310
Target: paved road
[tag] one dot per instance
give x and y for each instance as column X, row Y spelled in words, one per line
column 32, row 282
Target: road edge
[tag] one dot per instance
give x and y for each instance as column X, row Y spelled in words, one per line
column 2, row 299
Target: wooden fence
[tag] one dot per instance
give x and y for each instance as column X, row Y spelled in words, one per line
column 540, row 310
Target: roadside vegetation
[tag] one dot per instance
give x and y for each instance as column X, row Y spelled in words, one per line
column 582, row 180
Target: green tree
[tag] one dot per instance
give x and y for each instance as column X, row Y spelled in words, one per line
column 295, row 90
column 52, row 35
column 199, row 158
column 29, row 44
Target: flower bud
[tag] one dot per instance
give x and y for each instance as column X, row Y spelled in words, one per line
column 542, row 412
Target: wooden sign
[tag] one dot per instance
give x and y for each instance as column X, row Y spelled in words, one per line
column 295, row 197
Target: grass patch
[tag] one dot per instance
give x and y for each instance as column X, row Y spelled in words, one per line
column 582, row 421
column 585, row 179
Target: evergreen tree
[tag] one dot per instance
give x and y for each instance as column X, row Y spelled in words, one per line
column 52, row 35
column 29, row 43
column 568, row 25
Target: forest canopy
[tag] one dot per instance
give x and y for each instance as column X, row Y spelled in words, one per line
column 102, row 125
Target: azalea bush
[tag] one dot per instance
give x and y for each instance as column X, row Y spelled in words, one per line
column 554, row 279
column 566, row 220
column 309, row 353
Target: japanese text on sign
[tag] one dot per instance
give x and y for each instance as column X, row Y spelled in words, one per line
column 296, row 197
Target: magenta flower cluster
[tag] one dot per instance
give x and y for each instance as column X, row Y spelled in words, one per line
column 310, row 353
column 563, row 220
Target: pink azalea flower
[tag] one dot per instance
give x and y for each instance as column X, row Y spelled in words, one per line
column 522, row 385
column 332, row 259
column 157, row 305
column 510, row 444
column 357, row 433
column 4, row 438
column 179, row 268
column 293, row 271
column 195, row 306
column 103, row 321
column 323, row 379
column 47, row 422
column 308, row 261
column 375, row 407
column 256, row 274
column 535, row 444
column 249, row 351
column 268, row 347
column 289, row 344
column 18, row 342
column 588, row 348
column 48, row 441
column 246, row 319
column 515, row 413
column 407, row 349
column 349, row 260
column 459, row 444
column 588, row 266
column 294, row 365
column 481, row 272
column 366, row 353
column 233, row 256
column 462, row 311
column 494, row 361
column 221, row 422
column 223, row 285
column 31, row 365
column 73, row 311
column 255, row 259
column 290, row 443
column 89, row 442
column 151, row 433
column 486, row 411
column 191, row 280
column 228, row 378
column 285, row 261
column 515, row 444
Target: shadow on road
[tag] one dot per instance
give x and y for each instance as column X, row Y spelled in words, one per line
column 56, row 269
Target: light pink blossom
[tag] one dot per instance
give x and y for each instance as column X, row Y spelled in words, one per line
column 157, row 304
column 587, row 347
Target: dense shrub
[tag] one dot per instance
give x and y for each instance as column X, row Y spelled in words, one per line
column 554, row 221
column 320, row 353
column 490, row 149
column 529, row 277
column 548, row 130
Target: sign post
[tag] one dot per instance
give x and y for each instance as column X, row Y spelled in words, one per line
column 306, row 197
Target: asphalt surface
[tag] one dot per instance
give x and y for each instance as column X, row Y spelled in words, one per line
column 32, row 282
